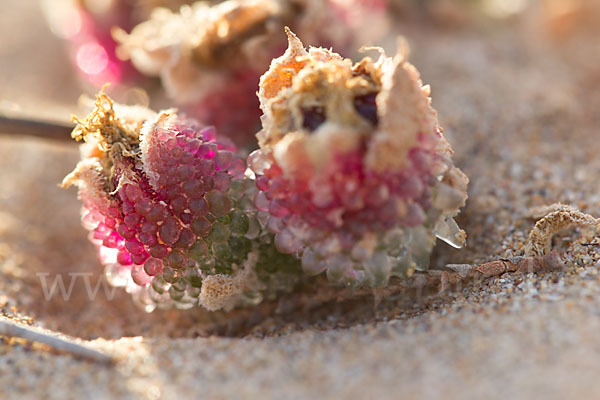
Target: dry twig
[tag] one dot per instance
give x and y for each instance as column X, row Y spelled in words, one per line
column 11, row 328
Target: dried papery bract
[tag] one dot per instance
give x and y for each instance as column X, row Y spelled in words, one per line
column 168, row 207
column 353, row 170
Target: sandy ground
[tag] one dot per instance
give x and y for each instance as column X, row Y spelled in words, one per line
column 521, row 112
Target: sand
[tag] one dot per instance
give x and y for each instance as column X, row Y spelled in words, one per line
column 520, row 110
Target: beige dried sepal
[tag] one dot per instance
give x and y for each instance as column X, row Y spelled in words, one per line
column 222, row 291
column 404, row 109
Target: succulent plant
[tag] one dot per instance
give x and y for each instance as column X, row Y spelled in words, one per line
column 353, row 178
column 171, row 212
column 353, row 168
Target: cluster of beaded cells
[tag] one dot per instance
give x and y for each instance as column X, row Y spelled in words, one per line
column 352, row 185
column 173, row 209
column 353, row 178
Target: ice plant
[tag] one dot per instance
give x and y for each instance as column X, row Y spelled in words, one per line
column 210, row 57
column 170, row 211
column 353, row 170
column 353, row 178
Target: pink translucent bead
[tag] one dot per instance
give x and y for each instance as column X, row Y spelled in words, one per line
column 208, row 182
column 222, row 181
column 176, row 153
column 261, row 202
column 312, row 264
column 198, row 206
column 181, row 139
column 277, row 210
column 287, row 243
column 193, row 189
column 223, row 159
column 179, row 204
column 201, row 226
column 275, row 225
column 237, row 167
column 258, row 162
column 169, row 231
column 226, row 144
column 186, row 132
column 219, row 203
column 101, row 232
column 410, row 187
column 113, row 212
column 112, row 240
column 90, row 220
column 124, row 258
column 125, row 231
column 134, row 193
column 421, row 160
column 207, row 150
column 139, row 276
column 205, row 167
column 173, row 190
column 148, row 239
column 185, row 172
column 279, row 189
column 176, row 259
column 134, row 246
column 153, row 266
column 157, row 213
column 143, row 206
column 127, row 207
column 132, row 220
column 171, row 144
column 186, row 218
column 193, row 145
column 209, row 134
column 415, row 215
column 186, row 239
column 378, row 196
column 262, row 183
column 158, row 250
column 148, row 227
column 139, row 258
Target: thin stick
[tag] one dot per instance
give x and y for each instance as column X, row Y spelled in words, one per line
column 30, row 127
column 13, row 329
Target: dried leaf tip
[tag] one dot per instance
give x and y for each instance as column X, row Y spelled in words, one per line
column 13, row 329
column 295, row 45
column 282, row 69
column 104, row 127
column 403, row 49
